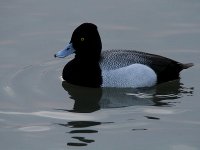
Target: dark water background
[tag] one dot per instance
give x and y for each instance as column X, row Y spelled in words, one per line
column 38, row 111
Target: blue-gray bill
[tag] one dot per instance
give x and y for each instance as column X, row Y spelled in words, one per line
column 68, row 50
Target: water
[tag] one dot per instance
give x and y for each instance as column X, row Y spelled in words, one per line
column 39, row 111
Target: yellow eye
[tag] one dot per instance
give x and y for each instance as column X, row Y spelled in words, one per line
column 82, row 39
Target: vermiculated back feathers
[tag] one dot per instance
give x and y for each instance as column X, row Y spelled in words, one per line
column 166, row 69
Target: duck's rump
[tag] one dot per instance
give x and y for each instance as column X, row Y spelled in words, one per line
column 165, row 68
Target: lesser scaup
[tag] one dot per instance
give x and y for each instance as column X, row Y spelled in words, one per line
column 113, row 68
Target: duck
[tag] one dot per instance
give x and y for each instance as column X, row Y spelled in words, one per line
column 94, row 67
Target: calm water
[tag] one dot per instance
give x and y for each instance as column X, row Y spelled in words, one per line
column 38, row 111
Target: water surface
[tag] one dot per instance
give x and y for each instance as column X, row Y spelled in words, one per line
column 40, row 111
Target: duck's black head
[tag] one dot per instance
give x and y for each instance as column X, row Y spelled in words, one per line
column 85, row 43
column 84, row 69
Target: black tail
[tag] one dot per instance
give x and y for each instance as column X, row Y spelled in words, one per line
column 185, row 66
column 172, row 71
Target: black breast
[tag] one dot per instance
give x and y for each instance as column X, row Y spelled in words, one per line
column 83, row 73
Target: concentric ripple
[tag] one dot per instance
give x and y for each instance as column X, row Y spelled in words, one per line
column 34, row 85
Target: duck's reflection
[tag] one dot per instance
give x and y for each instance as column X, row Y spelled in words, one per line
column 92, row 99
column 88, row 100
column 167, row 93
column 79, row 128
column 82, row 128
